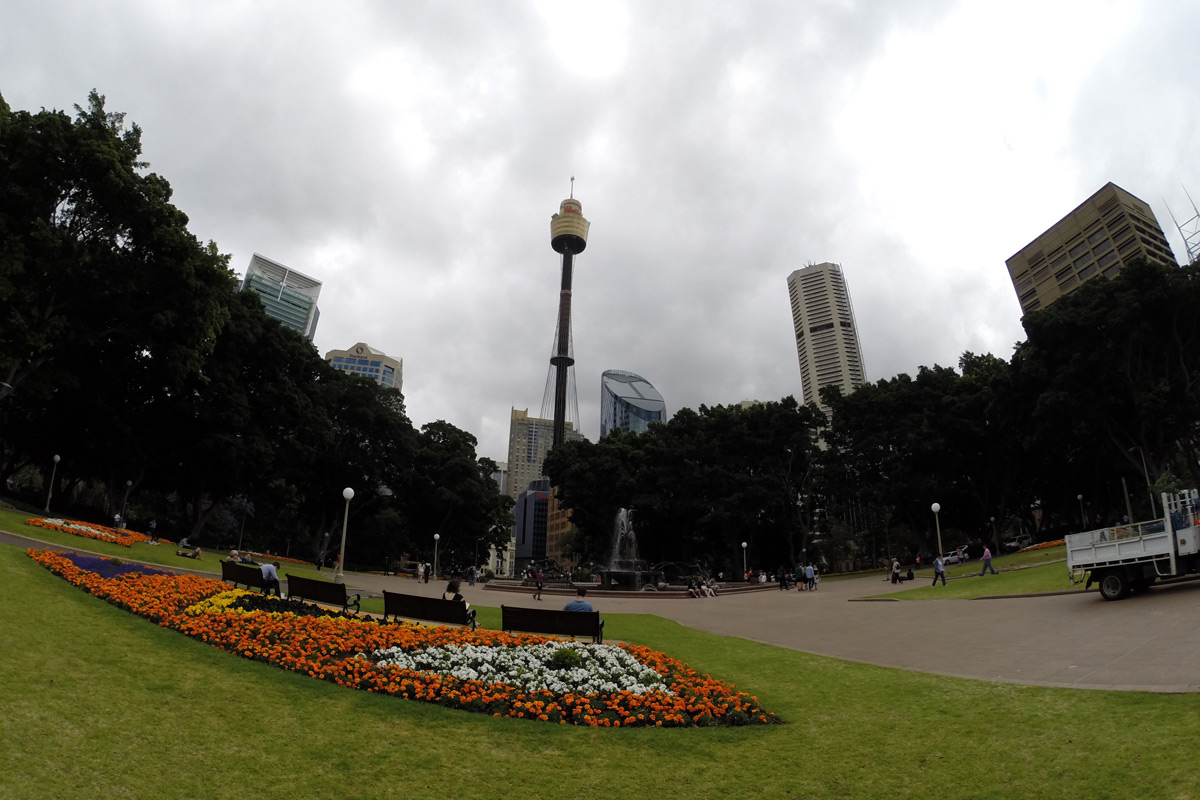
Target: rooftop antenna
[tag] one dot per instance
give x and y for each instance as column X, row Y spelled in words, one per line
column 1189, row 230
column 572, row 187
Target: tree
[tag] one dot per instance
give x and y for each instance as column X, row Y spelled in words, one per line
column 96, row 265
column 1121, row 359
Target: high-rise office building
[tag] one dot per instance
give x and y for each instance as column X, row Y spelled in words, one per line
column 628, row 402
column 362, row 359
column 529, row 440
column 1101, row 236
column 529, row 528
column 287, row 295
column 826, row 335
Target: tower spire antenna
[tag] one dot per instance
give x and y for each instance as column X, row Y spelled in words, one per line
column 572, row 187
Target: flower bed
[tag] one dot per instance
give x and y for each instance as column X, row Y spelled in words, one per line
column 89, row 530
column 1043, row 545
column 267, row 557
column 565, row 682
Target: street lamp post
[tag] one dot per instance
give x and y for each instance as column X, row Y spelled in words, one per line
column 338, row 575
column 125, row 502
column 745, row 568
column 436, row 537
column 995, row 536
column 936, row 509
column 53, row 474
column 1082, row 521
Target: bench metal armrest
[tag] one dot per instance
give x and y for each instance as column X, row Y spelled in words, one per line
column 355, row 603
column 600, row 633
column 471, row 617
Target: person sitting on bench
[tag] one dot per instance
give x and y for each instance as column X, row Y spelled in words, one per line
column 579, row 603
column 451, row 592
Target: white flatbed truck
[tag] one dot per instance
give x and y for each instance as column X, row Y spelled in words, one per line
column 1128, row 558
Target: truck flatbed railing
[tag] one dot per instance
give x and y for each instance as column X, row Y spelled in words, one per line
column 1115, row 533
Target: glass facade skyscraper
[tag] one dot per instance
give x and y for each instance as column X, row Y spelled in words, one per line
column 628, row 402
column 287, row 295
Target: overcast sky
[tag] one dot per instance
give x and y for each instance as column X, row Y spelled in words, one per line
column 409, row 155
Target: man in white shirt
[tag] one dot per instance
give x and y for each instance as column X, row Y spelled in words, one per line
column 270, row 576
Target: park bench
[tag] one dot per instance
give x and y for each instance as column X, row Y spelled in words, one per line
column 430, row 609
column 320, row 592
column 559, row 623
column 237, row 573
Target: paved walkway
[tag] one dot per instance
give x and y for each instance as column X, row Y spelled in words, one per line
column 1148, row 642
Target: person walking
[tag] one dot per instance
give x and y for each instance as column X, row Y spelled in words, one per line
column 810, row 577
column 896, row 570
column 539, row 580
column 987, row 562
column 939, row 571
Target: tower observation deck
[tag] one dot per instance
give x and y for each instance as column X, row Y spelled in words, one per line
column 568, row 236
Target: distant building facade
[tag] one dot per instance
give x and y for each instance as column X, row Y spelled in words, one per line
column 529, row 440
column 288, row 296
column 1101, row 236
column 826, row 334
column 628, row 402
column 531, row 513
column 362, row 359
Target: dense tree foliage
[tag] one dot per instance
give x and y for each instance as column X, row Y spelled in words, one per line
column 128, row 351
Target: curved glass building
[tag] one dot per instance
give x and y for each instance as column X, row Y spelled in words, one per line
column 628, row 402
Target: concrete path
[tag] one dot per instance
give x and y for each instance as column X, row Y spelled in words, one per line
column 1148, row 642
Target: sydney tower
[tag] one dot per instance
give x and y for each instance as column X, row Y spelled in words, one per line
column 568, row 235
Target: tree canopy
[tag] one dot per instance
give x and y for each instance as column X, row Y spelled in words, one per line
column 128, row 351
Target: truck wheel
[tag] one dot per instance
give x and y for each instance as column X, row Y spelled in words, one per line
column 1114, row 585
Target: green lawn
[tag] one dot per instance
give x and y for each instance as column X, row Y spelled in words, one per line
column 100, row 703
column 161, row 554
column 1046, row 578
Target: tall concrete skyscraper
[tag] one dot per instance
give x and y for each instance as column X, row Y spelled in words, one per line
column 826, row 336
column 288, row 296
column 1099, row 237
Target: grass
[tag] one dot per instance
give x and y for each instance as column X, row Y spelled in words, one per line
column 163, row 554
column 100, row 703
column 1046, row 578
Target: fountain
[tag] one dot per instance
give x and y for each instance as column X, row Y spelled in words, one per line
column 625, row 570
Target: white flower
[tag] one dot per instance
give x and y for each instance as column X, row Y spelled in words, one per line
column 603, row 669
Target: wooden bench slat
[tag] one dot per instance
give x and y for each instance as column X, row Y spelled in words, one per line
column 321, row 592
column 431, row 609
column 542, row 620
column 237, row 573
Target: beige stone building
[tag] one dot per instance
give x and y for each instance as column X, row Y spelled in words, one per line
column 1099, row 237
column 826, row 335
column 529, row 440
column 362, row 359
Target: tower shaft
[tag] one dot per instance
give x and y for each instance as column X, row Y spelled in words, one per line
column 562, row 359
